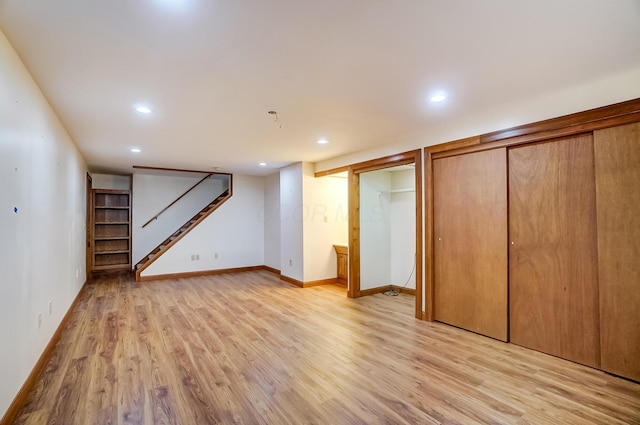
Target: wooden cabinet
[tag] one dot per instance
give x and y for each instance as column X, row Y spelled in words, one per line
column 470, row 247
column 111, row 230
column 553, row 274
column 342, row 256
column 617, row 161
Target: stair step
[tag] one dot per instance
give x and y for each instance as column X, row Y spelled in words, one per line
column 150, row 257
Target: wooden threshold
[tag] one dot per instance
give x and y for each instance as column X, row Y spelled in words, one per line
column 383, row 289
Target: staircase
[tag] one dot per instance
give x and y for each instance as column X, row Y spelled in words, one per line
column 180, row 233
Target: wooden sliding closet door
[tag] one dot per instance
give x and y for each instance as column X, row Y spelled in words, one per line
column 553, row 269
column 617, row 153
column 470, row 247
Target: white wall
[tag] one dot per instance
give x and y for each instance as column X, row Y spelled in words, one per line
column 375, row 225
column 110, row 181
column 271, row 218
column 403, row 228
column 235, row 231
column 577, row 98
column 325, row 223
column 42, row 255
column 152, row 193
column 291, row 222
column 387, row 228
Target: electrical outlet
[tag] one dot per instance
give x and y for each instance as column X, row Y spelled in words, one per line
column 290, row 262
column 215, row 255
column 39, row 320
column 50, row 307
column 77, row 273
column 197, row 257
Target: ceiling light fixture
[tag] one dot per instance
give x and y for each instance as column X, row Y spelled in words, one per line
column 263, row 164
column 323, row 141
column 438, row 98
column 135, row 150
column 143, row 109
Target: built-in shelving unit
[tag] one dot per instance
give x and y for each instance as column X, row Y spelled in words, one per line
column 111, row 230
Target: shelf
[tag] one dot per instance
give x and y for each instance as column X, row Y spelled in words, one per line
column 106, row 207
column 402, row 190
column 111, row 230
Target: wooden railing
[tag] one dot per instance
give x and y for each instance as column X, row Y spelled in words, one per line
column 155, row 217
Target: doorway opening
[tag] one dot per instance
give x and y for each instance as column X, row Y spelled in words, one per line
column 372, row 233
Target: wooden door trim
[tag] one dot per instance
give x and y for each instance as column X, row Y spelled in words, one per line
column 354, row 170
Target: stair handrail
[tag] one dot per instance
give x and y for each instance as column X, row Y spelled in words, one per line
column 155, row 217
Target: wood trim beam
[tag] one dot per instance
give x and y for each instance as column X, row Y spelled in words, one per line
column 419, row 232
column 11, row 415
column 353, row 285
column 384, row 162
column 456, row 144
column 331, row 171
column 429, row 276
column 587, row 118
column 179, row 170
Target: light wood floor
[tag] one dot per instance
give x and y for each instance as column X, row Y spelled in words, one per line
column 249, row 348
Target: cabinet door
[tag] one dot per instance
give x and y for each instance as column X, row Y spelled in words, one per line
column 470, row 247
column 342, row 266
column 617, row 154
column 553, row 275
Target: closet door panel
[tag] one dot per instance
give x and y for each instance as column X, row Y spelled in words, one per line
column 553, row 275
column 470, row 224
column 617, row 158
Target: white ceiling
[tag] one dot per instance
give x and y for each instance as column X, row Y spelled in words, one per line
column 357, row 72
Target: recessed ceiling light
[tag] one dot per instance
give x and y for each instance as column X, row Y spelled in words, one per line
column 263, row 164
column 143, row 109
column 323, row 141
column 438, row 98
column 135, row 150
